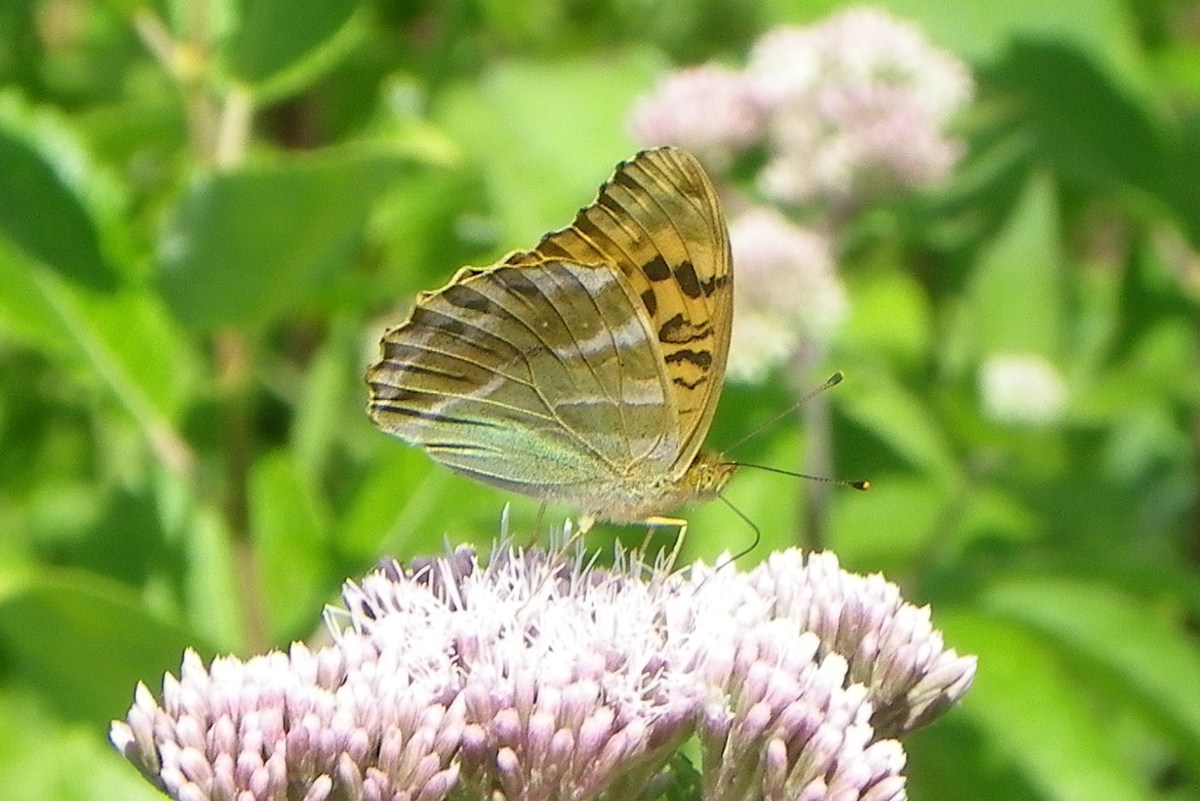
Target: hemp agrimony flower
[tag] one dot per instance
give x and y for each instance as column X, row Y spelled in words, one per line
column 541, row 676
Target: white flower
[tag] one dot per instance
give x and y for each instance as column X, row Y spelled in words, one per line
column 786, row 290
column 1022, row 389
column 856, row 106
column 539, row 677
column 709, row 110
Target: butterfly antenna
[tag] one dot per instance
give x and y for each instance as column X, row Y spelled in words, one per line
column 832, row 381
column 858, row 485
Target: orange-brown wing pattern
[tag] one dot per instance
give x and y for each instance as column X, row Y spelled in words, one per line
column 659, row 222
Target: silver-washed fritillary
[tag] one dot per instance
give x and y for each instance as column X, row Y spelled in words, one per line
column 586, row 370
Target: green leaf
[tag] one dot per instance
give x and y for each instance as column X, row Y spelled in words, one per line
column 547, row 134
column 1025, row 701
column 1100, row 133
column 42, row 210
column 993, row 513
column 899, row 418
column 402, row 489
column 51, row 621
column 1017, row 293
column 952, row 759
column 890, row 316
column 425, row 230
column 243, row 247
column 196, row 528
column 148, row 348
column 1183, row 176
column 1150, row 662
column 290, row 535
column 281, row 47
column 45, row 757
column 121, row 342
column 408, row 504
column 26, row 314
column 889, row 525
column 332, row 394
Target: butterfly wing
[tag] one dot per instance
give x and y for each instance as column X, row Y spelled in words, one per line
column 535, row 379
column 659, row 222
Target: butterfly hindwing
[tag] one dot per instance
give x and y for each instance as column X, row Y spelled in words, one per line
column 588, row 369
column 530, row 378
column 658, row 221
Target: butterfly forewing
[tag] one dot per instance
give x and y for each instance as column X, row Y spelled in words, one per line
column 658, row 221
column 533, row 378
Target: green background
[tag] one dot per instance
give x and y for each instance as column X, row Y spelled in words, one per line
column 209, row 212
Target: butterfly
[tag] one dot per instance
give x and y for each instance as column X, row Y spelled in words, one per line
column 587, row 370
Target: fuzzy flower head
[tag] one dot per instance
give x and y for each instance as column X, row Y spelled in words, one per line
column 845, row 110
column 787, row 290
column 857, row 106
column 538, row 676
column 709, row 110
column 1022, row 390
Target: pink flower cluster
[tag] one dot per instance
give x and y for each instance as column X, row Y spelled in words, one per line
column 540, row 677
column 846, row 109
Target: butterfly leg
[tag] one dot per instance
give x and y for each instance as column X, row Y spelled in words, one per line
column 582, row 526
column 537, row 525
column 677, row 522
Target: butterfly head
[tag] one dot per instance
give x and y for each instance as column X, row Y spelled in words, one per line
column 708, row 475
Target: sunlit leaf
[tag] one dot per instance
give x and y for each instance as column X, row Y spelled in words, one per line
column 49, row 622
column 244, row 246
column 43, row 170
column 551, row 129
column 1017, row 291
column 281, row 47
column 1152, row 663
column 1025, row 702
column 290, row 535
column 46, row 757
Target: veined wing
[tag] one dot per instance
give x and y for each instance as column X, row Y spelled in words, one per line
column 529, row 378
column 659, row 222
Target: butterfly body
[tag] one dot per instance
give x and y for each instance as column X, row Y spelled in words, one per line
column 584, row 371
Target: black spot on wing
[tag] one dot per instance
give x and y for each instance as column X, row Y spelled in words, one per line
column 685, row 275
column 679, row 331
column 690, row 384
column 656, row 269
column 700, row 358
column 713, row 284
column 650, row 302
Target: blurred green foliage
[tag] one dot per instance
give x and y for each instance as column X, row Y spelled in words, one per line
column 210, row 210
